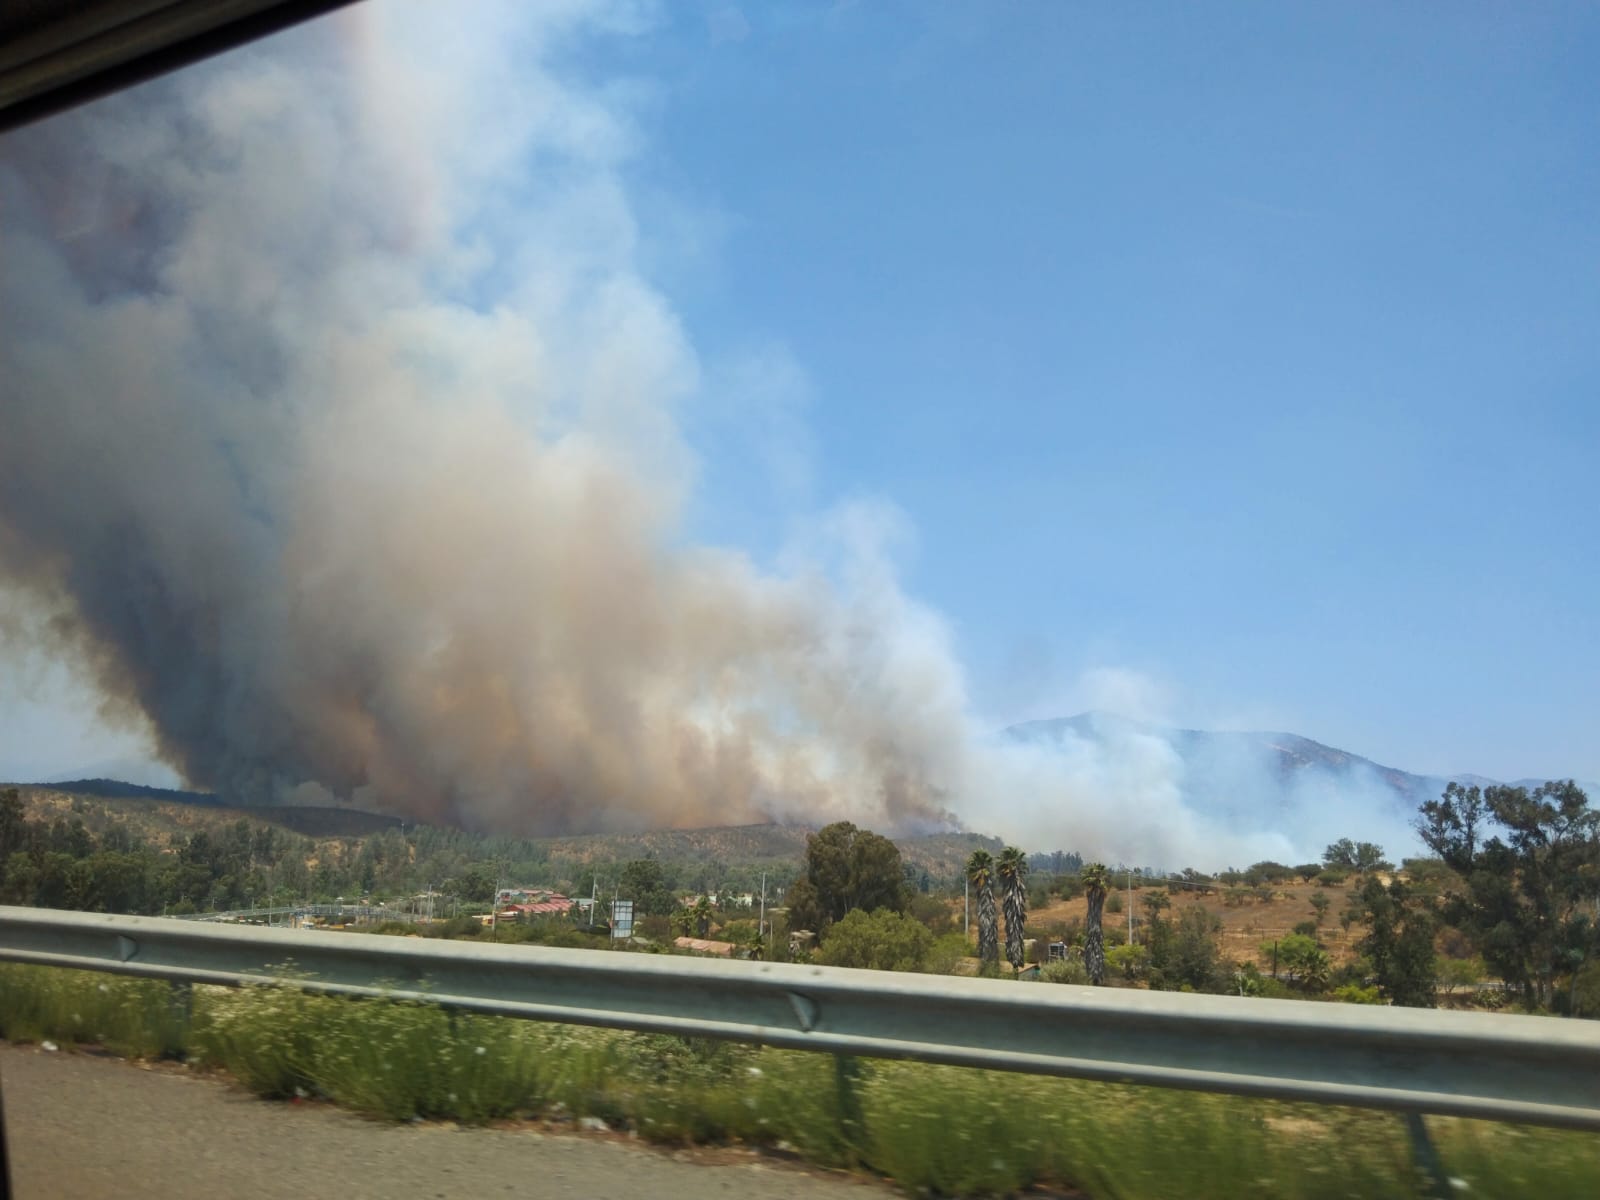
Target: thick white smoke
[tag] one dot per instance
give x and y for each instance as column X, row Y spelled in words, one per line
column 338, row 439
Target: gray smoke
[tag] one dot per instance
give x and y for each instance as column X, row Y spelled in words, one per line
column 337, row 440
column 338, row 445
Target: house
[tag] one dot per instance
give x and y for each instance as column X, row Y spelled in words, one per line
column 559, row 906
column 526, row 895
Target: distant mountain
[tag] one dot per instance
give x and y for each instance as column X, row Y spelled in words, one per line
column 1254, row 782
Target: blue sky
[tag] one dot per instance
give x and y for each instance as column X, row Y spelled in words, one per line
column 1252, row 350
column 1233, row 366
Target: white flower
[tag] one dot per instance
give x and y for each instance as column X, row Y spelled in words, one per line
column 480, row 1050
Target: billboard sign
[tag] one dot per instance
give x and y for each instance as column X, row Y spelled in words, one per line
column 622, row 918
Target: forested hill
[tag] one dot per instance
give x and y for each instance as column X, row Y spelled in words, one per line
column 205, row 856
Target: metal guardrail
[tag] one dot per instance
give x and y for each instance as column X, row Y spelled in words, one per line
column 1529, row 1069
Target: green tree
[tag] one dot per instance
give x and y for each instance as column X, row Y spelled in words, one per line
column 14, row 833
column 1456, row 973
column 846, row 868
column 1267, row 872
column 1399, row 943
column 879, row 941
column 1306, row 963
column 980, row 874
column 1321, row 903
column 21, row 879
column 1095, row 881
column 478, row 884
column 118, row 883
column 1184, row 952
column 1013, row 871
column 1356, row 856
column 1528, row 868
column 645, row 883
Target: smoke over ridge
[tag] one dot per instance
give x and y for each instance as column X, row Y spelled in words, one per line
column 338, row 440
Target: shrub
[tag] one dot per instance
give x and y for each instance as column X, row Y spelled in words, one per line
column 1453, row 973
column 936, row 914
column 945, row 953
column 1068, row 887
column 883, row 941
column 1352, row 993
column 1129, row 960
column 1065, row 970
column 266, row 1036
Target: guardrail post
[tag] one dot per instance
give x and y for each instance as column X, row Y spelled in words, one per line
column 1425, row 1156
column 847, row 1088
column 180, row 1006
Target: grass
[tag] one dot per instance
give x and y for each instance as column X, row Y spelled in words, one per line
column 932, row 1130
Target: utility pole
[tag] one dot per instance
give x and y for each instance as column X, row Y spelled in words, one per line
column 494, row 907
column 1130, row 906
column 762, row 927
column 966, row 908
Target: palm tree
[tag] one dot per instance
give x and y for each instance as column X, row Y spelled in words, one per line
column 980, row 873
column 1094, row 943
column 1013, row 872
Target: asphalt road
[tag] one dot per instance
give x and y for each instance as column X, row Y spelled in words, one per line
column 85, row 1127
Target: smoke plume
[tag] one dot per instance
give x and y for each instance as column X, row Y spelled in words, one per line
column 337, row 440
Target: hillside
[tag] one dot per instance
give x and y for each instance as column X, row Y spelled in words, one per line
column 159, row 816
column 1246, row 924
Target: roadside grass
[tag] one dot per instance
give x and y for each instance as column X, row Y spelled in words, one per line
column 140, row 1018
column 932, row 1130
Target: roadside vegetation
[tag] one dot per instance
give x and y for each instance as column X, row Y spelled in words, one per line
column 1502, row 914
column 930, row 1130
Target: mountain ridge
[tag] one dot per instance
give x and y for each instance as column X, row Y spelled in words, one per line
column 1095, row 723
